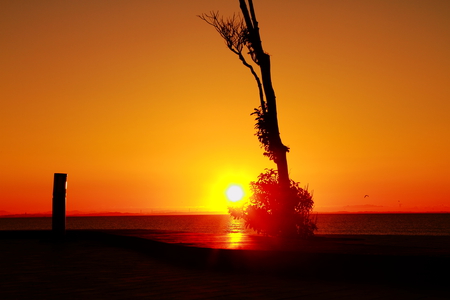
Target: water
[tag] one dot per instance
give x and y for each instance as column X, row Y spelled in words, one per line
column 390, row 224
column 376, row 224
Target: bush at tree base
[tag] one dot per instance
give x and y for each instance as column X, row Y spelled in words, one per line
column 277, row 212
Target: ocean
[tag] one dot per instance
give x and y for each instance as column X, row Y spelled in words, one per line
column 358, row 224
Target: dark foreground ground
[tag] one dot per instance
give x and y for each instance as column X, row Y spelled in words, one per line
column 163, row 265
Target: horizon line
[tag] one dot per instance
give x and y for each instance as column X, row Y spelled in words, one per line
column 178, row 213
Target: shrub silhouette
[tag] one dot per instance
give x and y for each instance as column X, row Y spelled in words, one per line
column 274, row 211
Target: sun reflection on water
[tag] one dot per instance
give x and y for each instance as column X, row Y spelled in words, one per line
column 236, row 226
column 235, row 239
column 236, row 233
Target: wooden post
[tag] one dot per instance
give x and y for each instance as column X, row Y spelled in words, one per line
column 59, row 204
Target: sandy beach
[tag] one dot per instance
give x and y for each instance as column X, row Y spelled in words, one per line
column 130, row 264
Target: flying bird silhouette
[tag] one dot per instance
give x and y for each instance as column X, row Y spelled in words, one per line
column 366, row 196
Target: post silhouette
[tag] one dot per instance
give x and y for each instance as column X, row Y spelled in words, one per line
column 59, row 204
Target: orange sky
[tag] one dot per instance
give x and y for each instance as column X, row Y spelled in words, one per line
column 143, row 106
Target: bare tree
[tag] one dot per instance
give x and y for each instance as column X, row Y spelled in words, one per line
column 241, row 34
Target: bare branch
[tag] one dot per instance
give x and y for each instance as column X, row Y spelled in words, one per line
column 235, row 34
column 232, row 30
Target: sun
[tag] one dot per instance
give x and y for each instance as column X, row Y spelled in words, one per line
column 235, row 193
column 228, row 188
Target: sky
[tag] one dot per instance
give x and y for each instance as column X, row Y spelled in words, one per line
column 146, row 110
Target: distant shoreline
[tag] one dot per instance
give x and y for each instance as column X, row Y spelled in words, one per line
column 118, row 214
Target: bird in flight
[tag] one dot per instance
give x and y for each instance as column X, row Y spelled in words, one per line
column 366, row 196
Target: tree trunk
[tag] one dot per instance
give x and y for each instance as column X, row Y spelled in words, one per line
column 263, row 60
column 276, row 144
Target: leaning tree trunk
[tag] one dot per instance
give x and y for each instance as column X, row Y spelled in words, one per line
column 275, row 143
column 276, row 146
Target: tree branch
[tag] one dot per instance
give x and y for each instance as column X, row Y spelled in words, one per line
column 235, row 34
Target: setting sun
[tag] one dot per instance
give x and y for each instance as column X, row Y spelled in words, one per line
column 234, row 193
